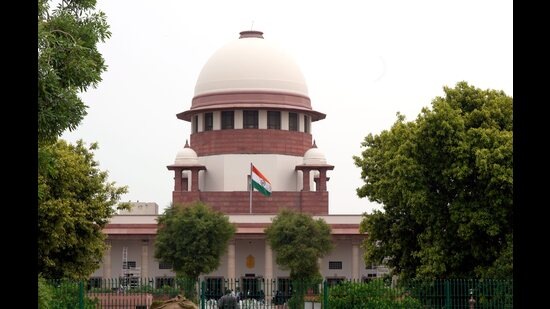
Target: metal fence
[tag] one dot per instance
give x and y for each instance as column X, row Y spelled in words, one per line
column 141, row 293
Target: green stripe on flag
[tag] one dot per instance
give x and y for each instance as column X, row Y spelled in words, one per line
column 260, row 188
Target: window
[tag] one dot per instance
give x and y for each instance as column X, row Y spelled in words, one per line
column 369, row 277
column 228, row 120
column 94, row 282
column 208, row 121
column 292, row 122
column 306, row 124
column 252, row 287
column 283, row 292
column 196, row 124
column 273, row 120
column 214, row 288
column 129, row 281
column 250, row 119
column 335, row 265
column 129, row 265
column 165, row 265
column 334, row 281
column 162, row 281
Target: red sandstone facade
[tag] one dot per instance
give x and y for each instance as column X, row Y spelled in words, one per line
column 247, row 141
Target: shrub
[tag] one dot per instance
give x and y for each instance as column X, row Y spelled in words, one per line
column 61, row 294
column 374, row 294
column 45, row 294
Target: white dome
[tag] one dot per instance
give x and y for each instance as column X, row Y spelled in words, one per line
column 314, row 156
column 186, row 157
column 250, row 64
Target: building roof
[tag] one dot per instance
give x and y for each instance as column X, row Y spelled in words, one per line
column 251, row 72
column 314, row 156
column 186, row 156
column 251, row 63
column 246, row 224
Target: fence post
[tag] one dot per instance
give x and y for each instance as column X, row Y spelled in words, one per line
column 447, row 294
column 325, row 294
column 203, row 292
column 80, row 294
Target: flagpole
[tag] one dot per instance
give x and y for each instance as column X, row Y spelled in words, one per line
column 251, row 188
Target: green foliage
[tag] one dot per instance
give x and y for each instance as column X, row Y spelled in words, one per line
column 374, row 294
column 445, row 182
column 299, row 242
column 68, row 63
column 74, row 204
column 62, row 294
column 45, row 294
column 192, row 238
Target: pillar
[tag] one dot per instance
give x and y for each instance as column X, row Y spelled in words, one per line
column 322, row 180
column 268, row 273
column 144, row 259
column 231, row 260
column 355, row 260
column 177, row 179
column 194, row 180
column 107, row 262
column 305, row 174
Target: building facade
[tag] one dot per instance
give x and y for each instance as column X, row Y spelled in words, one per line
column 251, row 106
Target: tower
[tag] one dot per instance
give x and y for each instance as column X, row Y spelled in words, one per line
column 251, row 105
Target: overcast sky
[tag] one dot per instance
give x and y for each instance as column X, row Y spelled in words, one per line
column 363, row 62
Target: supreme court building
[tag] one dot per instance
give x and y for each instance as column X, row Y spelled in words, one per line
column 250, row 105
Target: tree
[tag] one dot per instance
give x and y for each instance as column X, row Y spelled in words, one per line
column 299, row 242
column 74, row 204
column 68, row 63
column 192, row 238
column 445, row 182
column 74, row 198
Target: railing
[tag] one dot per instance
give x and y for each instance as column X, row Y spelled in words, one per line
column 278, row 293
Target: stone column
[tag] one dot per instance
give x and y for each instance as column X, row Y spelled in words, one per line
column 144, row 259
column 355, row 260
column 268, row 274
column 177, row 179
column 322, row 180
column 231, row 260
column 107, row 262
column 305, row 174
column 194, row 179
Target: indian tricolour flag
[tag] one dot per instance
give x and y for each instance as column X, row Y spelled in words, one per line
column 260, row 182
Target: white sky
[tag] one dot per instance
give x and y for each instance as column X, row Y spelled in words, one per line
column 363, row 61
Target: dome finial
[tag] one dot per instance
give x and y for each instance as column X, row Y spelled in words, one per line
column 186, row 144
column 314, row 144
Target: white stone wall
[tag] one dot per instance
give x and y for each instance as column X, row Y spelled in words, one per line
column 243, row 248
column 229, row 172
column 140, row 208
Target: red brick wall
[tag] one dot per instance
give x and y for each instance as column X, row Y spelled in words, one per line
column 313, row 202
column 251, row 141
